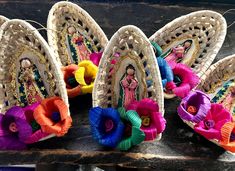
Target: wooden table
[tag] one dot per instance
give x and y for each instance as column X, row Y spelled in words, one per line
column 180, row 148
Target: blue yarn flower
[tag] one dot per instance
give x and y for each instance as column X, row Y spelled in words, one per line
column 165, row 70
column 106, row 126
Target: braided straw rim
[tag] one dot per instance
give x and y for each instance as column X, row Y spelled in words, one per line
column 212, row 50
column 54, row 64
column 221, row 70
column 84, row 16
column 153, row 61
column 3, row 19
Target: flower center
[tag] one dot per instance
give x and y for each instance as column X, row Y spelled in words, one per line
column 192, row 110
column 145, row 120
column 108, row 125
column 13, row 127
column 209, row 123
column 72, row 81
column 88, row 80
column 128, row 129
column 35, row 126
column 232, row 137
column 55, row 117
column 177, row 80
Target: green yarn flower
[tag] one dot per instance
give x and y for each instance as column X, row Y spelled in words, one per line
column 136, row 136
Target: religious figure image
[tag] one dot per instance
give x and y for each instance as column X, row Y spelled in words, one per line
column 177, row 53
column 128, row 87
column 229, row 98
column 31, row 87
column 80, row 47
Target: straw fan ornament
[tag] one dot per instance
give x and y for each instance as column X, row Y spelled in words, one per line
column 77, row 42
column 210, row 109
column 128, row 104
column 188, row 44
column 33, row 98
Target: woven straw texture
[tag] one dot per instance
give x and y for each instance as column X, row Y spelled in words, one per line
column 2, row 19
column 207, row 27
column 127, row 40
column 19, row 40
column 213, row 79
column 220, row 72
column 64, row 14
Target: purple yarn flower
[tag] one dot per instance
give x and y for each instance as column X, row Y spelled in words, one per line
column 194, row 107
column 18, row 128
column 14, row 129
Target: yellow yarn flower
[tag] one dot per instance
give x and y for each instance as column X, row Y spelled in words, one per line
column 85, row 75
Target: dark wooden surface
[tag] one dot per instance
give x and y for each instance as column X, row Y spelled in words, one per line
column 179, row 149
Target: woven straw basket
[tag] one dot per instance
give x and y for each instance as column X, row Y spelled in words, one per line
column 22, row 42
column 3, row 19
column 133, row 48
column 64, row 16
column 205, row 29
column 214, row 80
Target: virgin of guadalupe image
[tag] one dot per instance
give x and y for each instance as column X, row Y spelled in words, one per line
column 228, row 97
column 177, row 53
column 128, row 87
column 79, row 46
column 31, row 86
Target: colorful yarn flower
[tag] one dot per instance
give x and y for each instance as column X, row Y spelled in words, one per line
column 85, row 76
column 228, row 136
column 132, row 135
column 184, row 78
column 95, row 57
column 194, row 107
column 106, row 126
column 52, row 115
column 72, row 87
column 15, row 129
column 211, row 126
column 153, row 122
column 166, row 73
column 36, row 129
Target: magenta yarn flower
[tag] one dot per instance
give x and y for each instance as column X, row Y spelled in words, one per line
column 211, row 126
column 37, row 132
column 153, row 122
column 194, row 107
column 95, row 57
column 184, row 78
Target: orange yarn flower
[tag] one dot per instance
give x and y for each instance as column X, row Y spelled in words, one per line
column 53, row 117
column 68, row 72
column 228, row 136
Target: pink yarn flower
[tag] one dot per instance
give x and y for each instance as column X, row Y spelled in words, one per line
column 153, row 122
column 211, row 126
column 188, row 79
column 95, row 57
